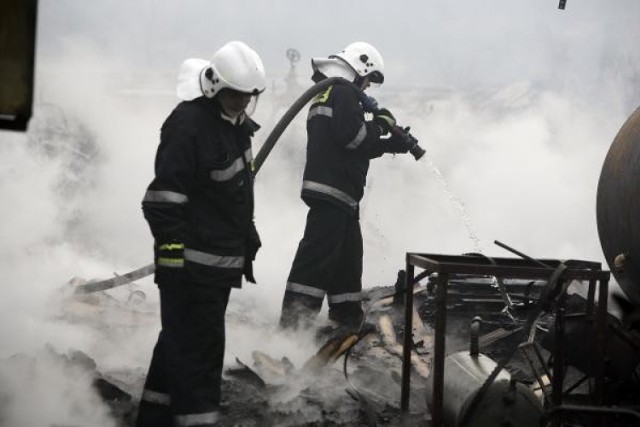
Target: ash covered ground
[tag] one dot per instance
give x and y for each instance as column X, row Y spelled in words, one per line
column 261, row 387
column 277, row 380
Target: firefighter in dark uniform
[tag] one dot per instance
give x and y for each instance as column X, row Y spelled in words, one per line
column 200, row 210
column 340, row 144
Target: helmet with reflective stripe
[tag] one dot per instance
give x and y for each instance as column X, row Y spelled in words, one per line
column 364, row 59
column 234, row 66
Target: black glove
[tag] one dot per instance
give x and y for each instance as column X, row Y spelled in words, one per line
column 385, row 120
column 252, row 246
column 400, row 141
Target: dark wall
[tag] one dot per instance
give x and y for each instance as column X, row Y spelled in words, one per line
column 17, row 51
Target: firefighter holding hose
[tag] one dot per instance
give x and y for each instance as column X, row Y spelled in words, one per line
column 340, row 145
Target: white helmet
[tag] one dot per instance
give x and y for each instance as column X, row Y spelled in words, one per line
column 235, row 66
column 364, row 59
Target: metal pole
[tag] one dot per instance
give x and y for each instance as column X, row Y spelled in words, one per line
column 439, row 351
column 591, row 293
column 601, row 336
column 520, row 254
column 408, row 339
column 558, row 363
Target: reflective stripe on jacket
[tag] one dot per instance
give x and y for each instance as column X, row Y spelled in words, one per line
column 339, row 146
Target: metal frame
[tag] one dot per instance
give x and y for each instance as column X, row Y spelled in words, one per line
column 446, row 265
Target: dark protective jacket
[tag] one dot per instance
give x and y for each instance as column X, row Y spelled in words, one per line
column 339, row 145
column 202, row 194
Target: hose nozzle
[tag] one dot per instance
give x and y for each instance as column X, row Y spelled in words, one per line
column 417, row 152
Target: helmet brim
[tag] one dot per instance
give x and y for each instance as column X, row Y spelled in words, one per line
column 333, row 67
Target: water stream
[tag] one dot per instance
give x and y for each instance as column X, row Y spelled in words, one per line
column 459, row 204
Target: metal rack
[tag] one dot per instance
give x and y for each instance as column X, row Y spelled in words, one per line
column 447, row 265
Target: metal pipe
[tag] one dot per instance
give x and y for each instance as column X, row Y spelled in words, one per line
column 601, row 337
column 576, row 385
column 558, row 361
column 439, row 351
column 520, row 254
column 591, row 296
column 408, row 342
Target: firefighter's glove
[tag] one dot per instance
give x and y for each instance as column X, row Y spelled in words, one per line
column 385, row 120
column 252, row 246
column 170, row 255
column 253, row 243
column 400, row 141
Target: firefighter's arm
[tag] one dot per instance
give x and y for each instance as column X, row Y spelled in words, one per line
column 352, row 131
column 167, row 195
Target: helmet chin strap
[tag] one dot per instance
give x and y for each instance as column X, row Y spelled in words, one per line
column 359, row 81
column 233, row 115
column 226, row 115
column 234, row 119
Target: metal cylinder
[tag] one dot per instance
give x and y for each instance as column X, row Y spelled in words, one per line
column 618, row 207
column 506, row 403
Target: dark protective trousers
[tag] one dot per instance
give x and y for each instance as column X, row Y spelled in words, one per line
column 184, row 380
column 328, row 262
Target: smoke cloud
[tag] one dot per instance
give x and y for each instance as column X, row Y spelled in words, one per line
column 515, row 102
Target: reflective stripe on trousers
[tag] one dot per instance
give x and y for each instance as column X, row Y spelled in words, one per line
column 305, row 290
column 197, row 419
column 156, row 397
column 329, row 256
column 183, row 384
column 346, row 297
column 319, row 293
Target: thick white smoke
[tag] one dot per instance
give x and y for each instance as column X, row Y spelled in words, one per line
column 515, row 103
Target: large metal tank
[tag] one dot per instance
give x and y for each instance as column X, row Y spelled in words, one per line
column 505, row 403
column 618, row 207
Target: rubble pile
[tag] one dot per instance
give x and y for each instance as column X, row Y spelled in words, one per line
column 352, row 379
